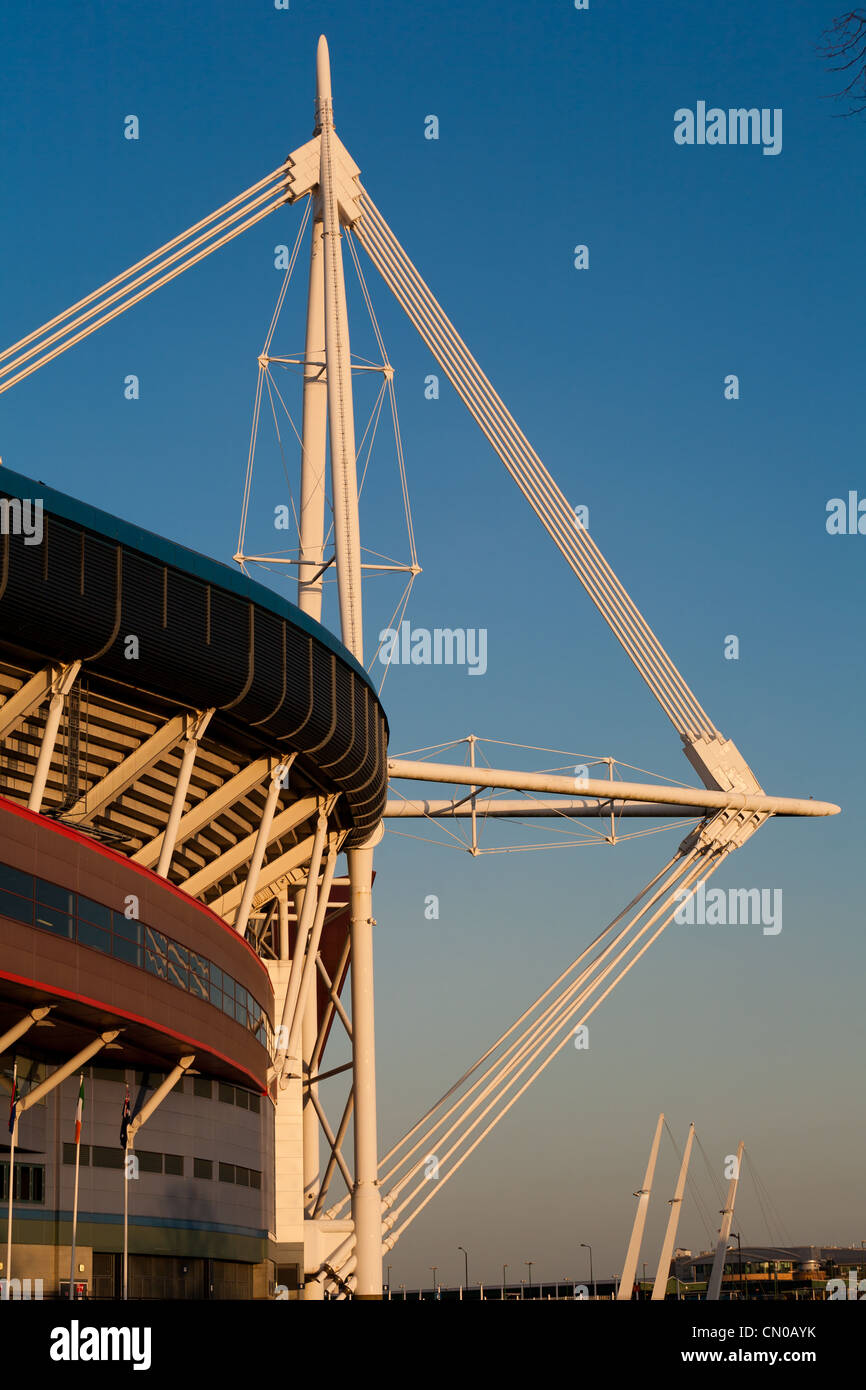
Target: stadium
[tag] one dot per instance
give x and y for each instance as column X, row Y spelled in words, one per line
column 166, row 722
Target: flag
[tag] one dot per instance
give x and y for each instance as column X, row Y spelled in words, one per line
column 14, row 1102
column 79, row 1110
column 124, row 1120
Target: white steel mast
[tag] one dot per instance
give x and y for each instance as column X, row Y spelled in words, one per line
column 660, row 1287
column 626, row 1283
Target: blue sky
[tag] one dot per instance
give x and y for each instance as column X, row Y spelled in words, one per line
column 556, row 129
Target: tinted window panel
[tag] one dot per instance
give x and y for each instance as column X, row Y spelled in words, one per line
column 126, row 927
column 197, row 986
column 94, row 912
column 128, row 951
column 19, row 909
column 15, row 881
column 93, row 936
column 155, row 964
column 51, row 919
column 54, row 896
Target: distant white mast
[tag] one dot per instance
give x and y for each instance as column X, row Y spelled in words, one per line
column 626, row 1283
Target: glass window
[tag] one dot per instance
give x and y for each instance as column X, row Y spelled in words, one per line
column 198, row 986
column 126, row 950
column 53, row 920
column 154, row 952
column 255, row 1178
column 19, row 909
column 174, row 1165
column 216, row 975
column 216, row 995
column 241, row 1099
column 154, row 941
column 15, row 882
column 198, row 965
column 52, row 895
column 69, row 1154
column 127, row 927
column 202, row 1087
column 255, row 1104
column 89, row 935
column 226, row 1093
column 242, row 1176
column 178, row 965
column 149, row 1161
column 104, row 1157
column 202, row 1168
column 94, row 912
column 227, row 1172
column 108, row 1073
column 228, row 995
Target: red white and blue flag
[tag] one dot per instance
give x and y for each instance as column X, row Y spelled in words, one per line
column 124, row 1120
column 14, row 1102
column 79, row 1111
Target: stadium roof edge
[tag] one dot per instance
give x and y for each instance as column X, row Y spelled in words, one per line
column 172, row 553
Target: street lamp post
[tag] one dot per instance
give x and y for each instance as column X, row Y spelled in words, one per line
column 504, row 1270
column 466, row 1262
column 435, row 1269
column 584, row 1246
column 529, row 1264
column 388, row 1282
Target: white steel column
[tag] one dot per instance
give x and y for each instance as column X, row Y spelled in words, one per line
column 366, row 1200
column 714, row 1287
column 314, row 437
column 660, row 1287
column 626, row 1283
column 258, row 854
column 195, row 730
column 341, row 421
column 60, row 688
column 309, row 1034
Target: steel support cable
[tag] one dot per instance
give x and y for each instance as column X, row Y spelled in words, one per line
column 142, row 294
column 561, row 1013
column 169, row 245
column 258, row 400
column 395, row 1234
column 385, row 251
column 517, row 1049
column 529, row 1041
column 394, row 252
column 401, row 463
column 254, row 431
column 104, row 303
column 503, row 447
column 565, row 540
column 636, row 652
column 526, row 1014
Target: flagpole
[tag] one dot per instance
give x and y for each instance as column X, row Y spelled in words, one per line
column 124, row 1144
column 8, row 1288
column 78, row 1119
column 125, row 1221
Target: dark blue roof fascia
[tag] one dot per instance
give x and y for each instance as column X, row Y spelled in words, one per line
column 178, row 556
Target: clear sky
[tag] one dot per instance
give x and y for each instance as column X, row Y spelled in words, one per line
column 556, row 128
